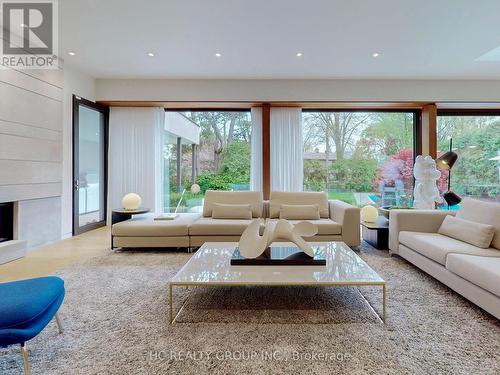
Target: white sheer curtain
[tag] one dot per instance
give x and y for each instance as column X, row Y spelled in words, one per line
column 286, row 149
column 135, row 155
column 256, row 150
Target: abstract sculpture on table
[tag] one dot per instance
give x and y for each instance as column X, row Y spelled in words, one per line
column 426, row 193
column 252, row 244
column 131, row 201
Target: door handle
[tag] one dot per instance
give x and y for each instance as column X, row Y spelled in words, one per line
column 77, row 185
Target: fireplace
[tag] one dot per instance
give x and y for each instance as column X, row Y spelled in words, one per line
column 6, row 221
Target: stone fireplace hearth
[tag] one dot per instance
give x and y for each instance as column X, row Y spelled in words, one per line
column 10, row 247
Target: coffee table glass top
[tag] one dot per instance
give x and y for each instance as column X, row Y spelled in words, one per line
column 211, row 265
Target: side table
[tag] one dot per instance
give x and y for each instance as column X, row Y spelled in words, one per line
column 121, row 214
column 377, row 233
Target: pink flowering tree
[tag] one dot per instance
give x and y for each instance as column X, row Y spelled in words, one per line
column 400, row 167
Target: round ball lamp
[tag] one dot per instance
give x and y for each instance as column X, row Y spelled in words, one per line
column 369, row 214
column 195, row 188
column 131, row 201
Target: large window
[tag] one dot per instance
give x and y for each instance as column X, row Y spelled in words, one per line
column 360, row 157
column 476, row 140
column 216, row 158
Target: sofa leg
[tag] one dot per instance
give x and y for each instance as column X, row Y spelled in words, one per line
column 59, row 324
column 26, row 362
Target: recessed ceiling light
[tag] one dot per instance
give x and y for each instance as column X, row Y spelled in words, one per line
column 218, row 54
column 71, row 53
column 376, row 54
column 299, row 54
column 24, row 25
column 151, row 54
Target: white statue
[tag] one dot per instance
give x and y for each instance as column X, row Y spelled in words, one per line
column 252, row 244
column 426, row 193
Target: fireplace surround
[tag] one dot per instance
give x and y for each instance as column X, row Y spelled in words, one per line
column 6, row 221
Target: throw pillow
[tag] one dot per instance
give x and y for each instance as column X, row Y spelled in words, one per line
column 476, row 234
column 484, row 213
column 231, row 211
column 299, row 211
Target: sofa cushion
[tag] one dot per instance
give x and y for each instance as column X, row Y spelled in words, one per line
column 299, row 211
column 482, row 212
column 146, row 226
column 326, row 227
column 207, row 226
column 474, row 233
column 278, row 198
column 435, row 246
column 231, row 211
column 482, row 271
column 253, row 198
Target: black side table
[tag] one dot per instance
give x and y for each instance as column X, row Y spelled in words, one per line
column 377, row 233
column 120, row 214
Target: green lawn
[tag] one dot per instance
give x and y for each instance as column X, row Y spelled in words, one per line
column 345, row 196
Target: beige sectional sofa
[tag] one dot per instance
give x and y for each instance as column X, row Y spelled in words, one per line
column 337, row 221
column 470, row 270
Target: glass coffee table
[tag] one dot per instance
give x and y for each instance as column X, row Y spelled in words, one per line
column 210, row 266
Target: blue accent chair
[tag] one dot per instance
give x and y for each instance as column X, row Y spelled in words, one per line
column 26, row 307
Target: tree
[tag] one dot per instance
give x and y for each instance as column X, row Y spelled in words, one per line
column 235, row 169
column 354, row 174
column 219, row 129
column 400, row 167
column 476, row 140
column 386, row 135
column 337, row 128
column 314, row 175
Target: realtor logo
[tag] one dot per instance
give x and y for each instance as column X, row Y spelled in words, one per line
column 29, row 34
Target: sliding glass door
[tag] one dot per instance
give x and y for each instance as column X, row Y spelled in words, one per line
column 90, row 128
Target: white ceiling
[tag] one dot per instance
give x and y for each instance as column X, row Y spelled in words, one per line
column 260, row 38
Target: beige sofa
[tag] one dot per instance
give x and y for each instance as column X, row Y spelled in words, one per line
column 471, row 271
column 144, row 231
column 338, row 221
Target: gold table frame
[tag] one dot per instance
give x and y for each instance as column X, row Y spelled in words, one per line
column 382, row 317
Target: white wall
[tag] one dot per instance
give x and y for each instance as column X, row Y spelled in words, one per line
column 31, row 151
column 80, row 84
column 297, row 90
column 30, row 134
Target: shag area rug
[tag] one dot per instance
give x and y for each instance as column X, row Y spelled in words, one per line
column 115, row 318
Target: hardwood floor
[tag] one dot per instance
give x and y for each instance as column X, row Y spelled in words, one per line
column 48, row 259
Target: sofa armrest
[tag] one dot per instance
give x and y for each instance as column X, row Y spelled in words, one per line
column 427, row 221
column 346, row 215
